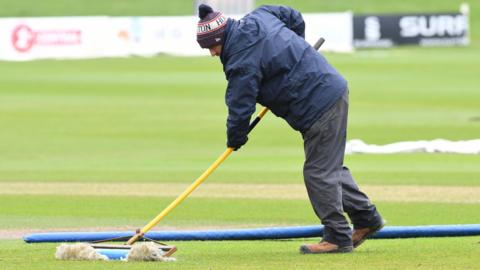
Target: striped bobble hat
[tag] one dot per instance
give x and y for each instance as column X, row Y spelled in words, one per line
column 211, row 27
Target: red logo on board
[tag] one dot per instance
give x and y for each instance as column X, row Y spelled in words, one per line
column 24, row 38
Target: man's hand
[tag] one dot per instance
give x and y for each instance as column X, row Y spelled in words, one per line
column 237, row 144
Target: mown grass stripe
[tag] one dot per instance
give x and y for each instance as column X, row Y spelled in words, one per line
column 384, row 193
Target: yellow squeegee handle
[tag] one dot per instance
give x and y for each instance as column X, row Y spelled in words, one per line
column 202, row 177
column 193, row 186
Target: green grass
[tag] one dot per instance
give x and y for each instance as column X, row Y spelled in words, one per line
column 443, row 253
column 36, row 211
column 162, row 119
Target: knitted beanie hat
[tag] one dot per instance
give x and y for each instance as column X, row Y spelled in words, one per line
column 211, row 27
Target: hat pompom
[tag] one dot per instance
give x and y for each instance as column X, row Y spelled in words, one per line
column 204, row 10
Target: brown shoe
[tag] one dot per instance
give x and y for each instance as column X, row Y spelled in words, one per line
column 360, row 235
column 324, row 247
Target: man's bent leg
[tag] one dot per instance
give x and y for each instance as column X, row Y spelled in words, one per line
column 323, row 174
column 361, row 211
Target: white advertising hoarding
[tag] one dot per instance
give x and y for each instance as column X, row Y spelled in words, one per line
column 177, row 35
column 23, row 39
column 59, row 37
column 336, row 28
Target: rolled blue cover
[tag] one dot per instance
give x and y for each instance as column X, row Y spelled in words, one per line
column 257, row 234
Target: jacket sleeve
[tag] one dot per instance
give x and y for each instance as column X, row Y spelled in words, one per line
column 291, row 17
column 241, row 98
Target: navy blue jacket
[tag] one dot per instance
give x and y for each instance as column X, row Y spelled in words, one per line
column 267, row 60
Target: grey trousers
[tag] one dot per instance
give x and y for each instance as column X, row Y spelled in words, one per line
column 329, row 184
